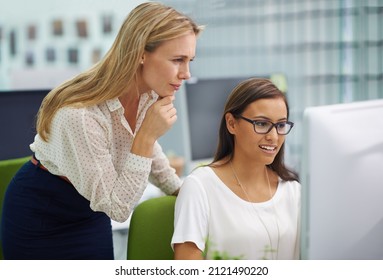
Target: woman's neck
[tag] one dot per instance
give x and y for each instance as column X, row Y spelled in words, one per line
column 252, row 171
column 130, row 101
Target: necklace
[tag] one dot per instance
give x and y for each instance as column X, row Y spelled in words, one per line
column 259, row 217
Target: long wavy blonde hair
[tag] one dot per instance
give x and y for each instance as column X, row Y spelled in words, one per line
column 144, row 29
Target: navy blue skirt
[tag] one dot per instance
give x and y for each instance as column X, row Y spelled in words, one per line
column 45, row 218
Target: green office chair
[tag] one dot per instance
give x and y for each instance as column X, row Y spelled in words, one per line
column 151, row 229
column 8, row 169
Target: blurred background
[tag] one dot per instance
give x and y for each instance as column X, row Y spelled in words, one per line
column 322, row 51
column 319, row 52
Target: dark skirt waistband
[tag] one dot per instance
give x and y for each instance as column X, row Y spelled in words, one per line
column 36, row 162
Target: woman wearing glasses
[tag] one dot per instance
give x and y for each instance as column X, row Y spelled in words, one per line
column 246, row 203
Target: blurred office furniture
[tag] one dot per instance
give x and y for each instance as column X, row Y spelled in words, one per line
column 18, row 111
column 203, row 105
column 121, row 230
column 8, row 169
column 178, row 163
column 151, row 229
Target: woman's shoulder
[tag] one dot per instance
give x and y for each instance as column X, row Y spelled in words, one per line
column 291, row 183
column 67, row 116
column 72, row 113
column 293, row 187
column 200, row 177
column 202, row 173
column 197, row 174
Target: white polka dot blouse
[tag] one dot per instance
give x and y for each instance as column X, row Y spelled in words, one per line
column 91, row 147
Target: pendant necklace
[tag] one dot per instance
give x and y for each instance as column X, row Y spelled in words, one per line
column 259, row 217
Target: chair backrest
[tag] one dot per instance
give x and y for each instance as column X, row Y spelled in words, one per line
column 151, row 229
column 8, row 169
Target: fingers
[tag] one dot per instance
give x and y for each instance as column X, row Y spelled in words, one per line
column 168, row 113
column 171, row 115
column 169, row 109
column 160, row 117
column 166, row 106
column 166, row 100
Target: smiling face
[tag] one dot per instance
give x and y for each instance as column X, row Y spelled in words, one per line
column 164, row 69
column 250, row 145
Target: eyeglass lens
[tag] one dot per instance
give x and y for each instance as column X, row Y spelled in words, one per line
column 266, row 126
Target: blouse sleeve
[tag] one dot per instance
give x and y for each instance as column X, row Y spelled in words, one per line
column 191, row 214
column 162, row 174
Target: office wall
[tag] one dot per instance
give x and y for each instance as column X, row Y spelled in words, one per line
column 55, row 39
column 330, row 51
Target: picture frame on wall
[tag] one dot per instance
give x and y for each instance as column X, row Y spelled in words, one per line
column 31, row 32
column 1, row 38
column 29, row 58
column 73, row 55
column 57, row 27
column 82, row 28
column 12, row 43
column 50, row 54
column 107, row 24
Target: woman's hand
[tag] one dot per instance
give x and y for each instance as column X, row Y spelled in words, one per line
column 159, row 118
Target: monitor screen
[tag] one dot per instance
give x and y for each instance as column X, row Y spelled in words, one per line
column 342, row 186
column 205, row 100
column 18, row 110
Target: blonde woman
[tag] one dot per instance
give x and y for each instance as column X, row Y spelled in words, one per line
column 96, row 142
column 246, row 203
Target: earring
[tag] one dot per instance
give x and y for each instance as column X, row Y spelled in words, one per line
column 142, row 62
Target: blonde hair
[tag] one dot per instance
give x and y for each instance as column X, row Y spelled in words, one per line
column 144, row 29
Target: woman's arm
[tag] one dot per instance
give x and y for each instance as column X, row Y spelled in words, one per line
column 187, row 251
column 162, row 174
column 191, row 220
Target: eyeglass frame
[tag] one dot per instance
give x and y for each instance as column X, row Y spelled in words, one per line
column 253, row 122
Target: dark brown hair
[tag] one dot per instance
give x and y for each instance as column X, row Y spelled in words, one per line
column 242, row 95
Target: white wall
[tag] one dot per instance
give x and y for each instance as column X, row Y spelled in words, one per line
column 330, row 51
column 17, row 15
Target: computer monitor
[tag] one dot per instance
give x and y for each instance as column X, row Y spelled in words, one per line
column 342, row 186
column 205, row 102
column 18, row 110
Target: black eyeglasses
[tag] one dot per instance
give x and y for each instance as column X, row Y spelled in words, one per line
column 264, row 126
